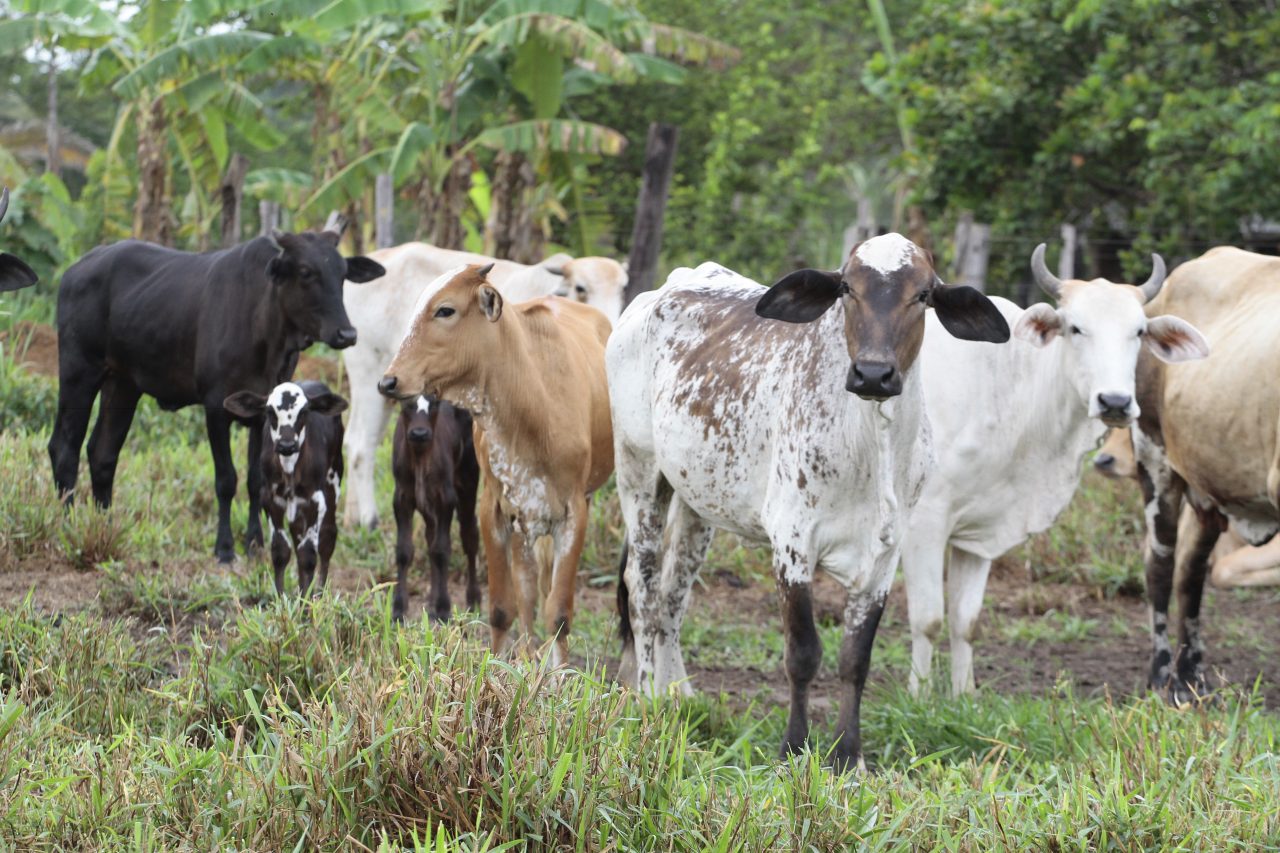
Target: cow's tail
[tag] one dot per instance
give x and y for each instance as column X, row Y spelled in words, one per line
column 624, row 599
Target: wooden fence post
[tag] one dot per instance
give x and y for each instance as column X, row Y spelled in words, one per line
column 973, row 249
column 1067, row 260
column 863, row 229
column 384, row 232
column 232, row 194
column 268, row 215
column 651, row 206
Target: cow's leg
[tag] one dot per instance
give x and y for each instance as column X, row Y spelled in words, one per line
column 116, row 406
column 923, row 560
column 524, row 570
column 1162, row 492
column 966, row 584
column 328, row 538
column 1197, row 535
column 469, row 533
column 306, row 554
column 645, row 496
column 253, row 475
column 218, row 425
column 280, row 550
column 402, row 505
column 687, row 539
column 862, row 612
column 369, row 414
column 803, row 651
column 495, row 530
column 77, row 386
column 438, row 548
column 557, row 610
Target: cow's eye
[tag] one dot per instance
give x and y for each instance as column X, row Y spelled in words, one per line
column 307, row 273
column 582, row 291
column 923, row 297
column 1075, row 330
column 1141, row 332
column 444, row 311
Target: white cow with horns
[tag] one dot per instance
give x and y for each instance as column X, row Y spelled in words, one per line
column 1011, row 427
column 384, row 312
column 808, row 434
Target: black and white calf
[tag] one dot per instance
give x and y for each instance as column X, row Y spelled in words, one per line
column 434, row 461
column 302, row 468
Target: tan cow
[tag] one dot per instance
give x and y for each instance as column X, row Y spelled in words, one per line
column 1209, row 434
column 1233, row 562
column 533, row 376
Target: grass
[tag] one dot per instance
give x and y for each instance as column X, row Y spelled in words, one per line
column 185, row 708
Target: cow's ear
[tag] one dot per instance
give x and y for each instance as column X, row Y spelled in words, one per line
column 490, row 302
column 361, row 269
column 327, row 403
column 1173, row 339
column 1038, row 325
column 800, row 297
column 14, row 273
column 968, row 314
column 245, row 404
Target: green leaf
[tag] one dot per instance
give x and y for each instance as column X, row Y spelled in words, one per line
column 416, row 139
column 538, row 74
column 203, row 52
column 567, row 135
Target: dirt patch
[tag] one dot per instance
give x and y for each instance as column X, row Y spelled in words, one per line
column 53, row 585
column 34, row 347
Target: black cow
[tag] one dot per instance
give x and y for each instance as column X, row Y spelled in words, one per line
column 436, row 472
column 302, row 467
column 135, row 318
column 14, row 272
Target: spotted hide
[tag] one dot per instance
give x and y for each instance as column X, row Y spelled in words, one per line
column 532, row 376
column 302, row 470
column 1012, row 425
column 724, row 419
column 1208, row 436
column 384, row 311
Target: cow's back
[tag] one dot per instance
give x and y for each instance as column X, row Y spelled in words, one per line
column 1219, row 417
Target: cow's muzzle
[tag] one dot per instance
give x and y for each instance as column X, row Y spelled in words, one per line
column 420, row 435
column 874, row 380
column 286, row 448
column 1116, row 410
column 388, row 387
column 342, row 338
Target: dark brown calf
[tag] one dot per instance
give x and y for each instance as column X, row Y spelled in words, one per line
column 302, row 473
column 433, row 458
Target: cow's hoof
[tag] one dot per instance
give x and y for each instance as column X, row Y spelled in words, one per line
column 854, row 764
column 440, row 617
column 225, row 557
column 1193, row 693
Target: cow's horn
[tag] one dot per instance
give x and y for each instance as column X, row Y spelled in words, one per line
column 4, row 201
column 274, row 236
column 1048, row 282
column 555, row 269
column 484, row 270
column 1152, row 285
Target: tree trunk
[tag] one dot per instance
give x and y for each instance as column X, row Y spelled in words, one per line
column 651, row 207
column 232, row 194
column 152, row 217
column 53, row 155
column 511, row 232
column 443, row 210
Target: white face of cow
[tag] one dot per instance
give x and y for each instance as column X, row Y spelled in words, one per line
column 1103, row 326
column 598, row 282
column 285, row 406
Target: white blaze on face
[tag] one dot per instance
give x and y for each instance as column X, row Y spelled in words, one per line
column 423, row 405
column 885, row 254
column 287, row 400
column 437, row 284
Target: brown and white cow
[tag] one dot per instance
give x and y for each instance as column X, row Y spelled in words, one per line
column 302, row 473
column 809, row 434
column 1209, row 435
column 384, row 311
column 433, row 460
column 532, row 375
column 1234, row 562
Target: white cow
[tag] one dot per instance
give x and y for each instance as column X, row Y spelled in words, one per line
column 722, row 419
column 382, row 315
column 1012, row 425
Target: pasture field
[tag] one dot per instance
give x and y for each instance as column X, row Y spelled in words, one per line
column 152, row 700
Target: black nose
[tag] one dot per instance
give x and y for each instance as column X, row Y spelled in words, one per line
column 874, row 379
column 387, row 386
column 1104, row 461
column 343, row 338
column 1114, row 403
column 286, row 448
column 420, row 434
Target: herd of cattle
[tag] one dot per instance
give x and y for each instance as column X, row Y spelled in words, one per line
column 853, row 420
